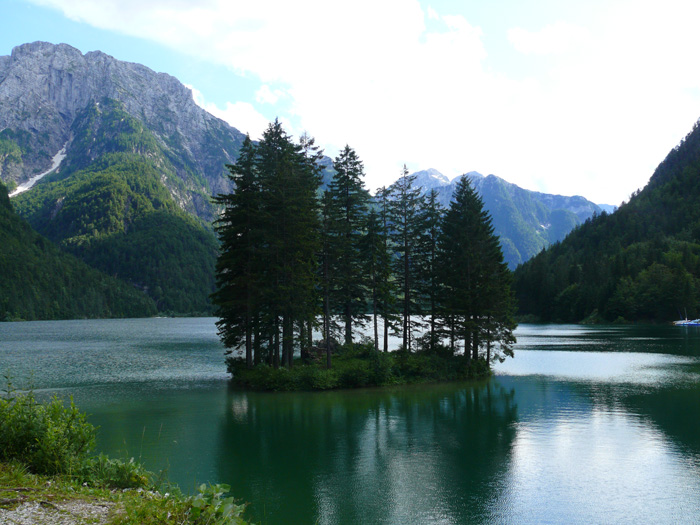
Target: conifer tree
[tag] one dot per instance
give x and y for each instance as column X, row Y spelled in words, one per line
column 476, row 299
column 404, row 206
column 372, row 250
column 237, row 272
column 347, row 220
column 284, row 248
column 386, row 285
column 429, row 221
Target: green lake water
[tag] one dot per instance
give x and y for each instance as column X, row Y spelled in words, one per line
column 584, row 425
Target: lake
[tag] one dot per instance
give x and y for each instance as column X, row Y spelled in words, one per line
column 584, row 425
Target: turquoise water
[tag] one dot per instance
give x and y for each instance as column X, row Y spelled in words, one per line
column 585, row 425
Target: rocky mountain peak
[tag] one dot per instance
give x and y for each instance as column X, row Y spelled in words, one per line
column 43, row 87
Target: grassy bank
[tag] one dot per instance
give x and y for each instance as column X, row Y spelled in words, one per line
column 359, row 367
column 47, row 466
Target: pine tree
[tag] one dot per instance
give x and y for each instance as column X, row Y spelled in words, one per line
column 238, row 278
column 476, row 299
column 404, row 206
column 372, row 251
column 347, row 220
column 386, row 285
column 325, row 269
column 429, row 221
column 282, row 250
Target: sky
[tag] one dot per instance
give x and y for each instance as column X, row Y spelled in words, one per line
column 563, row 97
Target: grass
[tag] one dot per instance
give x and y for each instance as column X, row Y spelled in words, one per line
column 45, row 457
column 358, row 367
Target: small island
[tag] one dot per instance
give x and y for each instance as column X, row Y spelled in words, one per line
column 297, row 258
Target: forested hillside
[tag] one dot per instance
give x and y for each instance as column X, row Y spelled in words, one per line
column 110, row 206
column 39, row 281
column 640, row 263
column 525, row 221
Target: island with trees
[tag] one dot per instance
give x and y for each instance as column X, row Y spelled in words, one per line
column 297, row 259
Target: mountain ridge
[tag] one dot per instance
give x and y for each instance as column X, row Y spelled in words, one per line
column 526, row 221
column 45, row 86
column 640, row 263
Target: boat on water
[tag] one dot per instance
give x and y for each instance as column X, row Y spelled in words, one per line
column 687, row 322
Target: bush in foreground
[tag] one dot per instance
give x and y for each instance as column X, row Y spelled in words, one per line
column 45, row 454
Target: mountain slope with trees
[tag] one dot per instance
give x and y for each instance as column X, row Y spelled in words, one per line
column 108, row 205
column 525, row 221
column 641, row 262
column 39, row 281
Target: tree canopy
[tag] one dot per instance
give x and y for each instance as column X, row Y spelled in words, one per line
column 292, row 255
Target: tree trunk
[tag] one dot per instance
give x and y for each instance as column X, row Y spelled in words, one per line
column 303, row 352
column 248, row 343
column 374, row 315
column 276, row 345
column 256, row 342
column 386, row 334
column 309, row 334
column 287, row 341
column 348, row 326
column 467, row 341
column 327, row 327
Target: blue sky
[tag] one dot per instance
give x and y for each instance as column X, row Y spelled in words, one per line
column 558, row 96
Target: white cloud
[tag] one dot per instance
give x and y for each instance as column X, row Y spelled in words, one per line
column 558, row 38
column 586, row 108
column 240, row 115
column 266, row 95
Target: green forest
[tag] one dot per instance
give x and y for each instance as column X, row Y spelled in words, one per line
column 641, row 263
column 39, row 281
column 291, row 254
column 116, row 214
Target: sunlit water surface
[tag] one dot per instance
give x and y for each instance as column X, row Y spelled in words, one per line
column 584, row 425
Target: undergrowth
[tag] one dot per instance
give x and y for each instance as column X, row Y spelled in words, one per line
column 45, row 454
column 359, row 366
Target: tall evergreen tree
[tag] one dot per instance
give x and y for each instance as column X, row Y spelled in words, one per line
column 282, row 251
column 348, row 211
column 386, row 284
column 404, row 207
column 476, row 299
column 237, row 269
column 373, row 251
column 429, row 222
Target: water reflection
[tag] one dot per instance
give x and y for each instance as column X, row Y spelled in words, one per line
column 410, row 455
column 590, row 452
column 585, row 425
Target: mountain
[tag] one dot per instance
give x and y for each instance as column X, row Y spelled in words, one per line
column 109, row 207
column 640, row 263
column 128, row 163
column 45, row 88
column 39, row 281
column 526, row 221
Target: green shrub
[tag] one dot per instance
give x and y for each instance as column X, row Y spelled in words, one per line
column 50, row 438
column 353, row 373
column 115, row 473
column 381, row 368
column 316, row 378
column 211, row 508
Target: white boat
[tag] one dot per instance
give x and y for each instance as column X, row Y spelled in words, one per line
column 687, row 322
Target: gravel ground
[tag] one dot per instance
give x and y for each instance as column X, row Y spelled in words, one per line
column 73, row 512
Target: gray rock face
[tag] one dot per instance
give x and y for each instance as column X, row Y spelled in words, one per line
column 44, row 86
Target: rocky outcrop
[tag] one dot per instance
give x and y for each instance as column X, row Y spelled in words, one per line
column 44, row 87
